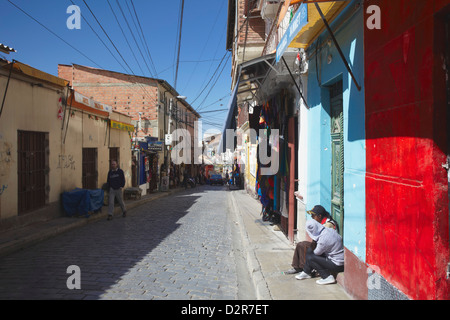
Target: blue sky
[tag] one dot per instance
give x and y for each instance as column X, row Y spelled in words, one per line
column 203, row 43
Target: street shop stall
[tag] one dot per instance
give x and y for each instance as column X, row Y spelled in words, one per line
column 276, row 191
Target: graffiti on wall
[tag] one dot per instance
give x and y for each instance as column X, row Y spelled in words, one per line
column 66, row 162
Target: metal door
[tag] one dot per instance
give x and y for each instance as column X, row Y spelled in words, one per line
column 337, row 148
column 89, row 174
column 31, row 170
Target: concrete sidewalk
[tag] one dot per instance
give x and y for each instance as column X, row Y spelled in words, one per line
column 269, row 254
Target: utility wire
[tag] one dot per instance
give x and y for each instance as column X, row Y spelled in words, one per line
column 218, row 110
column 131, row 71
column 206, row 86
column 104, row 44
column 145, row 40
column 112, row 42
column 212, row 87
column 235, row 38
column 126, row 38
column 134, row 38
column 56, row 35
column 206, row 42
column 179, row 43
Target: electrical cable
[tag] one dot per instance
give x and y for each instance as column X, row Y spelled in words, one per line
column 205, row 43
column 212, row 87
column 134, row 38
column 126, row 39
column 212, row 77
column 145, row 40
column 104, row 31
column 179, row 43
column 56, row 35
column 104, row 44
column 131, row 71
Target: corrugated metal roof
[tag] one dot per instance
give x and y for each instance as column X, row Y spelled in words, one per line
column 6, row 49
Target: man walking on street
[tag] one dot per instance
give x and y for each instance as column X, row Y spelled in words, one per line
column 116, row 181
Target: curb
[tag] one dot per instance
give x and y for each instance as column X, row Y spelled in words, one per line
column 254, row 267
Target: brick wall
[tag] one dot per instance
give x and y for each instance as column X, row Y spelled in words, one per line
column 256, row 26
column 126, row 94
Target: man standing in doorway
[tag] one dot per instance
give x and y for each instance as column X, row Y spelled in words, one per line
column 116, row 181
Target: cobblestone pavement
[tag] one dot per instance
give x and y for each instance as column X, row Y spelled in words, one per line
column 176, row 247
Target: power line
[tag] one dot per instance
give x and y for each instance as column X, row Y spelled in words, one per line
column 107, row 35
column 134, row 38
column 206, row 42
column 212, row 87
column 104, row 44
column 219, row 110
column 56, row 35
column 179, row 43
column 131, row 70
column 198, row 96
column 145, row 40
column 126, row 39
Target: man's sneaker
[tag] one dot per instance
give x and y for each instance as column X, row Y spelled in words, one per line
column 124, row 214
column 109, row 217
column 293, row 271
column 329, row 280
column 303, row 275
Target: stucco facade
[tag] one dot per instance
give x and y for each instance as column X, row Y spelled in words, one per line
column 40, row 131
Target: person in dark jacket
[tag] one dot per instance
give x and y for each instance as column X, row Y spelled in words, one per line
column 116, row 181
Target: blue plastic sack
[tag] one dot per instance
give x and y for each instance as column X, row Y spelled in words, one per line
column 82, row 201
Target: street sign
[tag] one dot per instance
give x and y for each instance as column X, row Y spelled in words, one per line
column 155, row 146
column 168, row 139
column 299, row 20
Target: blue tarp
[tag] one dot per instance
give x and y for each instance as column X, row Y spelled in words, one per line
column 82, row 201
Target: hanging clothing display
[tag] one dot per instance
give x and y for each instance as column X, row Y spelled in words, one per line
column 274, row 190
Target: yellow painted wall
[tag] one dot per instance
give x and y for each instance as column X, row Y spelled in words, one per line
column 32, row 107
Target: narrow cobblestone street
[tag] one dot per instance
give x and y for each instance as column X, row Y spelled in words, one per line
column 176, row 247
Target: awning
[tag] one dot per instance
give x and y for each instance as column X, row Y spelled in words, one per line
column 252, row 75
column 307, row 24
column 262, row 77
column 230, row 122
column 84, row 103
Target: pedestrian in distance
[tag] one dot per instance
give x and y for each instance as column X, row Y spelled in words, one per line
column 116, row 182
column 185, row 178
column 326, row 256
column 322, row 216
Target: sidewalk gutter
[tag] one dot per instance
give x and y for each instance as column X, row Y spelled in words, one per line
column 254, row 266
column 21, row 238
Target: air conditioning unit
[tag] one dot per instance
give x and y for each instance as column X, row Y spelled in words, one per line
column 269, row 8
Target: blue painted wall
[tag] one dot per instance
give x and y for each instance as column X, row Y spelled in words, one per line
column 349, row 35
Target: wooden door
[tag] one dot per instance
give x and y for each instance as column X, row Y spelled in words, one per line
column 89, row 174
column 32, row 170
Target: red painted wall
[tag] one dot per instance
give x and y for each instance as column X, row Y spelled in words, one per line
column 406, row 189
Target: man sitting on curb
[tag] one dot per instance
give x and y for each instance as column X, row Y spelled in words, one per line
column 326, row 255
